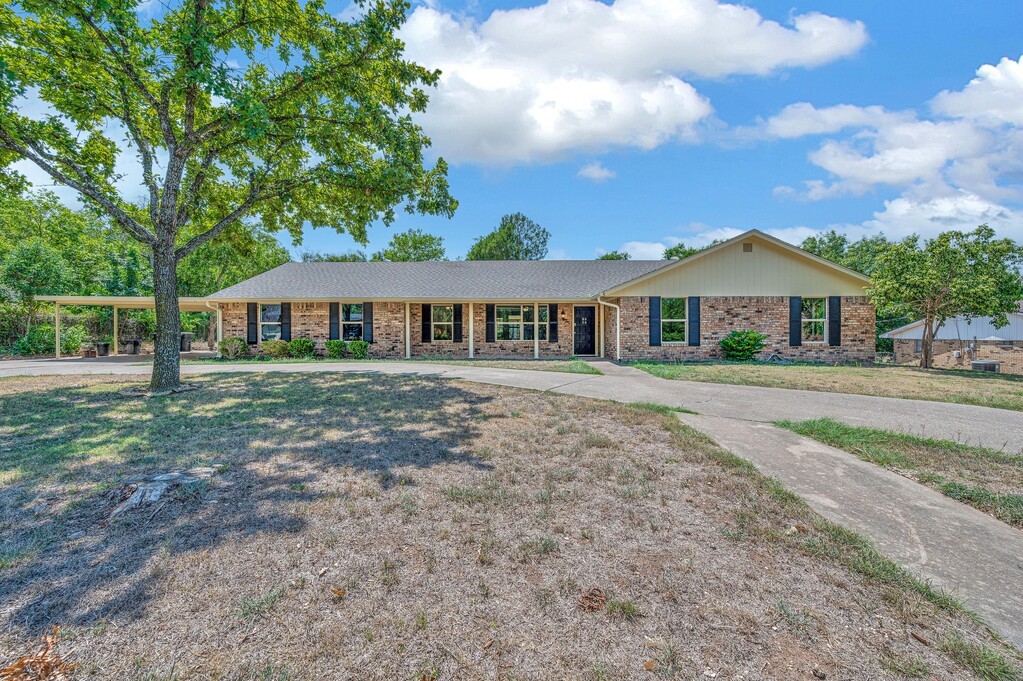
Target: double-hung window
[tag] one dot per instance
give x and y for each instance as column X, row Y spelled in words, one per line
column 673, row 320
column 351, row 321
column 517, row 322
column 269, row 322
column 443, row 322
column 814, row 322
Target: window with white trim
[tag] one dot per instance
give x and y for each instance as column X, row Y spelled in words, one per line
column 351, row 321
column 814, row 322
column 516, row 322
column 443, row 322
column 270, row 322
column 673, row 320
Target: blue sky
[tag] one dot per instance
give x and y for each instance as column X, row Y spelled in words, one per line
column 892, row 160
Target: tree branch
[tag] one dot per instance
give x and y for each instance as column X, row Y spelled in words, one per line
column 84, row 184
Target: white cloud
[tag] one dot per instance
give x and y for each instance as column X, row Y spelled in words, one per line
column 536, row 84
column 596, row 172
column 994, row 96
column 802, row 119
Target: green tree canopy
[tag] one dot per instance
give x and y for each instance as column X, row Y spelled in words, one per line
column 680, row 250
column 515, row 238
column 273, row 110
column 614, row 255
column 32, row 269
column 350, row 256
column 413, row 245
column 972, row 274
column 860, row 255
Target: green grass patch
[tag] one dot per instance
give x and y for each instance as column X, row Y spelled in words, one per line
column 983, row 388
column 566, row 366
column 985, row 662
column 660, row 408
column 964, row 473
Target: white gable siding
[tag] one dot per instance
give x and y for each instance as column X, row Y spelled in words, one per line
column 769, row 270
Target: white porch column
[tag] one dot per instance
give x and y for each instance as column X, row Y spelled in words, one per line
column 472, row 335
column 600, row 329
column 536, row 330
column 115, row 331
column 220, row 325
column 408, row 333
column 56, row 326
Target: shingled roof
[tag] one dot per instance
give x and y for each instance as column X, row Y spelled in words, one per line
column 482, row 280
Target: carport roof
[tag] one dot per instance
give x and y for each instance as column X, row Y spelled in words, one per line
column 127, row 302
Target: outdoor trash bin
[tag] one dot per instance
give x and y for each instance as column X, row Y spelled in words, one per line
column 186, row 341
column 132, row 346
column 102, row 349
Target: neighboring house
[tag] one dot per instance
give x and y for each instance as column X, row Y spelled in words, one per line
column 809, row 308
column 961, row 341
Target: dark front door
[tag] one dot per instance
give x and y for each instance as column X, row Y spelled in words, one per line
column 585, row 330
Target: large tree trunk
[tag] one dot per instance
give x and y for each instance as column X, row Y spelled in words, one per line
column 166, row 358
column 927, row 346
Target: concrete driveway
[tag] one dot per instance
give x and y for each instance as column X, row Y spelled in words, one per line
column 960, row 549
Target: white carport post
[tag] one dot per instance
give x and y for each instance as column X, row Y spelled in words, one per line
column 115, row 331
column 56, row 326
column 472, row 335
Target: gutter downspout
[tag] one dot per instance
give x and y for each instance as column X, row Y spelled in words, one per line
column 618, row 327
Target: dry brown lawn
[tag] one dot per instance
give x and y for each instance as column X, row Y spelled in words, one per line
column 1004, row 391
column 404, row 528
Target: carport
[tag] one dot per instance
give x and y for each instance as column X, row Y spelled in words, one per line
column 126, row 303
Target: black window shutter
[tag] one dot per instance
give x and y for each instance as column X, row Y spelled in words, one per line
column 795, row 320
column 367, row 322
column 655, row 320
column 285, row 321
column 491, row 328
column 693, row 327
column 552, row 320
column 834, row 320
column 335, row 318
column 253, row 335
column 458, row 322
column 427, row 313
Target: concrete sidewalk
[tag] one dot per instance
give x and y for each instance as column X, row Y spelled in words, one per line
column 958, row 548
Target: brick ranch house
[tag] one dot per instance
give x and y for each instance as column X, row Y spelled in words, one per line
column 960, row 341
column 809, row 308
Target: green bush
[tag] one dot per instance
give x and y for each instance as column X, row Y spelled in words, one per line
column 358, row 349
column 336, row 349
column 742, row 346
column 233, row 348
column 275, row 348
column 40, row 341
column 301, row 347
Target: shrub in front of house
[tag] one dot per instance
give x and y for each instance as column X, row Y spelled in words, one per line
column 358, row 349
column 301, row 347
column 742, row 346
column 275, row 348
column 233, row 348
column 336, row 349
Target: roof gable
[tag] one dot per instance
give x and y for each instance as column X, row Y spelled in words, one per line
column 751, row 264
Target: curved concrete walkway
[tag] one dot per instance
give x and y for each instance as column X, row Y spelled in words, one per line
column 960, row 549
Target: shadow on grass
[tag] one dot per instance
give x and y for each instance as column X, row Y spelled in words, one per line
column 63, row 452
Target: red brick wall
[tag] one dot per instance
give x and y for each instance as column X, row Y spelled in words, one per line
column 719, row 316
column 1011, row 356
column 767, row 314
